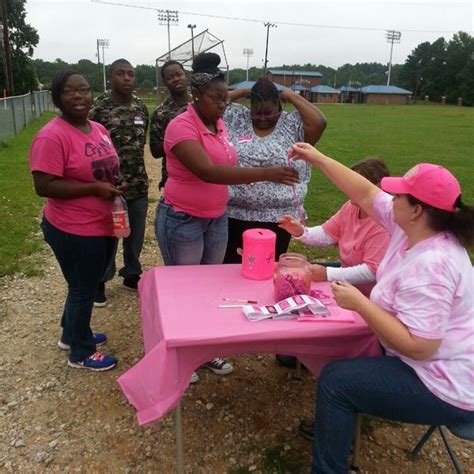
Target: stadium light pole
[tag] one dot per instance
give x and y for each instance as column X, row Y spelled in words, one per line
column 166, row 17
column 191, row 27
column 267, row 25
column 248, row 52
column 98, row 59
column 392, row 37
column 103, row 43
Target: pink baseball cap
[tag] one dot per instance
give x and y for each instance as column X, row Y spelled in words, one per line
column 431, row 184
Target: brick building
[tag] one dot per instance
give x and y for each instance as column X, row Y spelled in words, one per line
column 323, row 95
column 349, row 95
column 249, row 85
column 305, row 79
column 386, row 95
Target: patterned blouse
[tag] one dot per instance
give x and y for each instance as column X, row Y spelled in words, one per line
column 265, row 201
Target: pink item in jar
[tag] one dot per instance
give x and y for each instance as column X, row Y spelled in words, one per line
column 258, row 254
column 292, row 276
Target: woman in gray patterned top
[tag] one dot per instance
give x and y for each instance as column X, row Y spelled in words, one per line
column 262, row 136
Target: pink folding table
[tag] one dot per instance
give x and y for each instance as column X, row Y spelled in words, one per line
column 183, row 327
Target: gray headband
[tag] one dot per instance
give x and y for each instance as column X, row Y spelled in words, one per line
column 201, row 79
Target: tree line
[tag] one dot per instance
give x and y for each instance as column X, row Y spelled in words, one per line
column 356, row 75
column 442, row 68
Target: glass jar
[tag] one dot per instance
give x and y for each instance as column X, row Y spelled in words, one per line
column 292, row 276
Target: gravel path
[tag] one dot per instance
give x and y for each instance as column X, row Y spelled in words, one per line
column 57, row 419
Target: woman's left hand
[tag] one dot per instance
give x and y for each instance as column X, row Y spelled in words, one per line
column 286, row 95
column 346, row 295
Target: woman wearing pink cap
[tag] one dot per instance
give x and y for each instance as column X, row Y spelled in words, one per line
column 422, row 310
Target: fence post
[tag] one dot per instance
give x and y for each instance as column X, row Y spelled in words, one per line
column 24, row 110
column 33, row 105
column 15, row 128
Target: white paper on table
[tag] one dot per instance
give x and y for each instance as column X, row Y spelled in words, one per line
column 289, row 308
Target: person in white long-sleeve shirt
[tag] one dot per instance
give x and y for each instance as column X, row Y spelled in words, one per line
column 362, row 242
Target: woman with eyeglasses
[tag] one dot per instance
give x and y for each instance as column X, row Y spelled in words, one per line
column 262, row 136
column 75, row 166
column 191, row 217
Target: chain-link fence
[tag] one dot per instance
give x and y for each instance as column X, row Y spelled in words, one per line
column 18, row 111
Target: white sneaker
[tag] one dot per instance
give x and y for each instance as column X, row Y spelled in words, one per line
column 194, row 377
column 219, row 366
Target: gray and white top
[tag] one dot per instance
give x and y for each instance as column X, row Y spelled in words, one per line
column 265, row 201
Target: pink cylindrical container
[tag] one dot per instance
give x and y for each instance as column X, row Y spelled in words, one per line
column 258, row 254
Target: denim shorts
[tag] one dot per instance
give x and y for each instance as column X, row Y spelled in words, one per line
column 188, row 240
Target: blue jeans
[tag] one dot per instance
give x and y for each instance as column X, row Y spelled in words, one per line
column 189, row 240
column 82, row 261
column 133, row 244
column 380, row 386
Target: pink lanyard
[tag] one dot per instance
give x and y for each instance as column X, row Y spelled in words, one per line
column 299, row 205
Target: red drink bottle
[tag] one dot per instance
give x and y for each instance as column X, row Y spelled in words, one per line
column 120, row 217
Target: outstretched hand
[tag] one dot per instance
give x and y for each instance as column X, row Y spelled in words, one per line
column 318, row 272
column 283, row 175
column 291, row 225
column 305, row 152
column 346, row 295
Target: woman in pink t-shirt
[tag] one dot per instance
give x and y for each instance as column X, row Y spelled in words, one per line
column 421, row 308
column 75, row 166
column 191, row 218
column 362, row 242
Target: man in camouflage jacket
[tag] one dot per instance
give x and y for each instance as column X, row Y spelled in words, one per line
column 174, row 78
column 125, row 117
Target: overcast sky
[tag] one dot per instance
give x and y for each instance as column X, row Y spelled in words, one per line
column 331, row 33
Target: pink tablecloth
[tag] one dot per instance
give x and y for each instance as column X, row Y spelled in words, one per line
column 183, row 328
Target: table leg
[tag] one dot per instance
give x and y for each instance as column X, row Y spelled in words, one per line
column 298, row 369
column 356, row 446
column 179, row 440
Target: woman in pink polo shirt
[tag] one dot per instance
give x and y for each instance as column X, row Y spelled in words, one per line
column 421, row 308
column 75, row 166
column 191, row 218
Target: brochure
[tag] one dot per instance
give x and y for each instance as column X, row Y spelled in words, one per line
column 301, row 307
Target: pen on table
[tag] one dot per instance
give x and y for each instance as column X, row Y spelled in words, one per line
column 240, row 301
column 231, row 305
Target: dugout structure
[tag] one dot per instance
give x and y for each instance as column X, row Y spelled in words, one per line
column 183, row 53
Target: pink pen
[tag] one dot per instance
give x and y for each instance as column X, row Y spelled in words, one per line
column 235, row 300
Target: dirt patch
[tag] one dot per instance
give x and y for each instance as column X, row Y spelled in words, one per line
column 57, row 419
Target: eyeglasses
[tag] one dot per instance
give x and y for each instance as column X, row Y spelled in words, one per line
column 219, row 100
column 265, row 116
column 71, row 92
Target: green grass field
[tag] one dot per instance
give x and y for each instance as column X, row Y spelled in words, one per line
column 401, row 135
column 19, row 205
